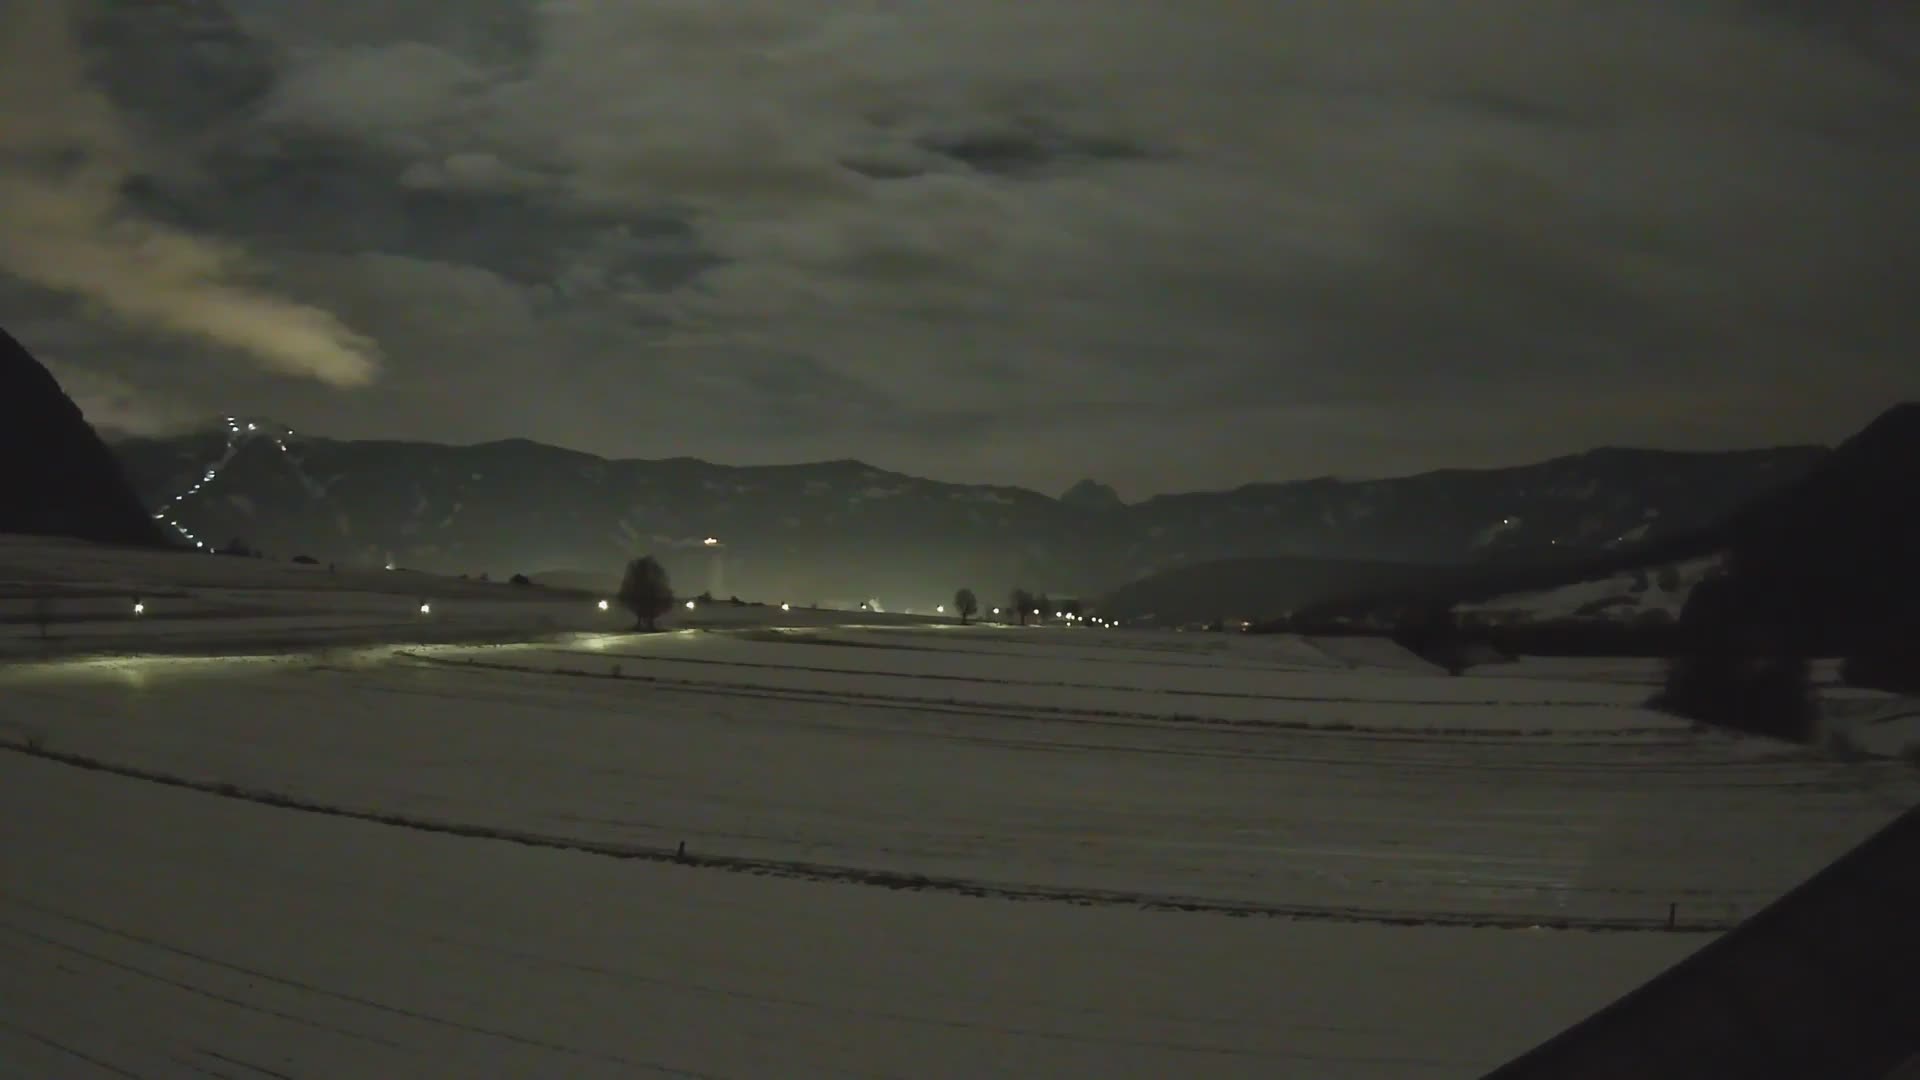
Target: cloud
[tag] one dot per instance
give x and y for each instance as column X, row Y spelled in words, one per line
column 64, row 158
column 1011, row 241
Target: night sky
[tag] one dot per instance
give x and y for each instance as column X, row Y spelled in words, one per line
column 1170, row 244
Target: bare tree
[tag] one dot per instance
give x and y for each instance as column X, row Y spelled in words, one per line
column 646, row 592
column 966, row 604
column 1022, row 602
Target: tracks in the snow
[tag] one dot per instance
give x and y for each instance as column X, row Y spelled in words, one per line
column 1027, row 710
column 883, row 878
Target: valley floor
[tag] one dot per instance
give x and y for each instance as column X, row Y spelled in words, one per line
column 911, row 850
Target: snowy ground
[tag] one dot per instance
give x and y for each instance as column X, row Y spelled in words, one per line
column 100, row 599
column 1615, row 598
column 912, row 849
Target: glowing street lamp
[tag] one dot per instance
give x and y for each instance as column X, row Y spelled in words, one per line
column 603, row 605
column 689, row 605
column 426, row 608
column 786, row 607
column 139, row 608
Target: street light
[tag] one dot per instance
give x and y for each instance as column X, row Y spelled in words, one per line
column 689, row 605
column 603, row 605
column 426, row 608
column 786, row 607
column 139, row 608
column 940, row 609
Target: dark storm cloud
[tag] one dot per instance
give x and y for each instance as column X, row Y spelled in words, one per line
column 1178, row 244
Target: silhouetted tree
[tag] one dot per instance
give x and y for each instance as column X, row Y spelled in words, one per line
column 1893, row 666
column 646, row 592
column 1043, row 606
column 1434, row 635
column 519, row 579
column 1737, row 667
column 1022, row 602
column 966, row 604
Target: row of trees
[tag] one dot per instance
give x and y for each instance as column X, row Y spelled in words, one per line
column 1025, row 605
column 647, row 593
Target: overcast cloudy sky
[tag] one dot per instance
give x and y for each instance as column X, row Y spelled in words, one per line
column 1166, row 243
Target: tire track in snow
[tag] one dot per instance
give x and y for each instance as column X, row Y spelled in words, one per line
column 1234, row 695
column 198, row 991
column 874, row 877
column 53, row 1044
column 1030, row 711
column 342, row 996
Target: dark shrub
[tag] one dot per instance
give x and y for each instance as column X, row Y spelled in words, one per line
column 1891, row 666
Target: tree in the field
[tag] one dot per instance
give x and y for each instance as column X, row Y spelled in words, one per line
column 1041, row 605
column 646, row 592
column 1022, row 602
column 966, row 604
column 1738, row 666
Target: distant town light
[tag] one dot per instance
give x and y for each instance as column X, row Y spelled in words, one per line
column 940, row 609
column 139, row 608
column 786, row 607
column 426, row 609
column 996, row 611
column 689, row 605
column 603, row 605
column 710, row 541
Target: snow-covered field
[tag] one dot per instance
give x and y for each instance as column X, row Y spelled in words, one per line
column 912, row 849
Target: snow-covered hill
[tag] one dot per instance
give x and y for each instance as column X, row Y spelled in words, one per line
column 1649, row 594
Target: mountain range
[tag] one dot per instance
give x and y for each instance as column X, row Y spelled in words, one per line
column 843, row 530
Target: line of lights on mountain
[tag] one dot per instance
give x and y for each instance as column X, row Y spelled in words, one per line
column 234, row 434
